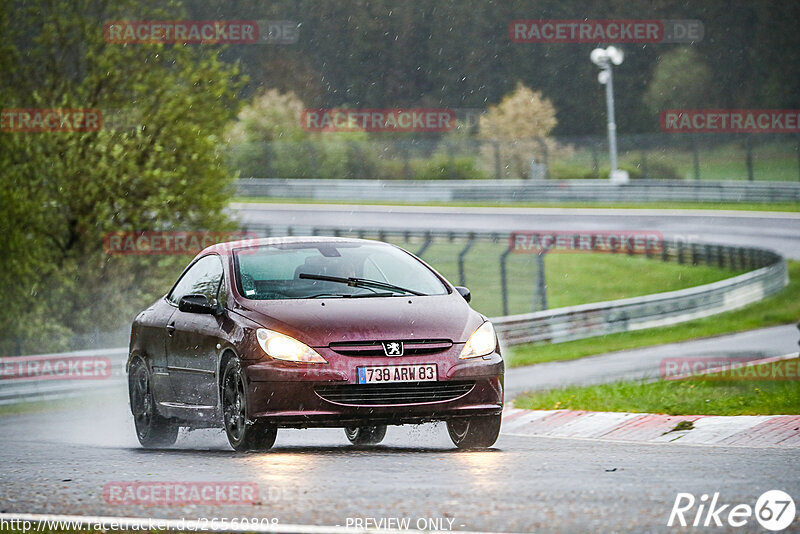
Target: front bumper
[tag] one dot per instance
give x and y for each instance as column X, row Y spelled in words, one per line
column 288, row 395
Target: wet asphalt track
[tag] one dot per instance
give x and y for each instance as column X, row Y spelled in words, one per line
column 59, row 462
column 645, row 363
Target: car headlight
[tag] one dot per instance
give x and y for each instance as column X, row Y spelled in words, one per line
column 283, row 347
column 482, row 342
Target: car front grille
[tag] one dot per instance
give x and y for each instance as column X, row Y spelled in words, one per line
column 394, row 394
column 375, row 348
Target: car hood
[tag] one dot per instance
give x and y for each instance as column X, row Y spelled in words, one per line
column 319, row 322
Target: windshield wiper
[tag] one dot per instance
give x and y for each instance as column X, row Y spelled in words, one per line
column 349, row 296
column 359, row 282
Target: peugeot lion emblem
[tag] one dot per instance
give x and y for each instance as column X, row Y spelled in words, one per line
column 393, row 348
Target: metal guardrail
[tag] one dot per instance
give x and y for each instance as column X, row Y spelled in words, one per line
column 767, row 275
column 663, row 309
column 520, row 190
column 17, row 390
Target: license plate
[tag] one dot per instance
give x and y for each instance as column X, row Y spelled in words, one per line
column 383, row 374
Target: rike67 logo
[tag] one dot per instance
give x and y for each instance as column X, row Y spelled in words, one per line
column 774, row 510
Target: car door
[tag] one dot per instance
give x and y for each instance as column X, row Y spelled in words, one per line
column 192, row 338
column 151, row 341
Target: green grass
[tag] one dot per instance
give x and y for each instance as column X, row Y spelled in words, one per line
column 581, row 278
column 741, row 206
column 772, row 160
column 691, row 396
column 730, row 164
column 571, row 278
column 781, row 308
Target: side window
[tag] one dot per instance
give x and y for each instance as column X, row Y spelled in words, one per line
column 203, row 277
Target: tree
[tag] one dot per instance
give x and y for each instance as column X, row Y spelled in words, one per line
column 457, row 54
column 520, row 123
column 680, row 80
column 155, row 164
column 270, row 116
column 268, row 139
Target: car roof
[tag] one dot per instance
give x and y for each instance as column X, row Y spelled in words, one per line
column 264, row 241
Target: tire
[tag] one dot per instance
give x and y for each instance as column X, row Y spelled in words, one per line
column 474, row 432
column 243, row 433
column 365, row 435
column 152, row 429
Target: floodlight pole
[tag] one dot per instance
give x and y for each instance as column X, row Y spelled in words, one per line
column 604, row 59
column 612, row 125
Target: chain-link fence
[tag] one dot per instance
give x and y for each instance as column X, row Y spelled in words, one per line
column 766, row 157
column 501, row 283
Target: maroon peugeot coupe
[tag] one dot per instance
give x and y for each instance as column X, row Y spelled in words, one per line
column 313, row 332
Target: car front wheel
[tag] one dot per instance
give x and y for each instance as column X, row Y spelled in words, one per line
column 474, row 432
column 243, row 433
column 365, row 435
column 152, row 429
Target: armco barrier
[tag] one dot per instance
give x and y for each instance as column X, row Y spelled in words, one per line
column 520, row 190
column 662, row 309
column 13, row 391
column 767, row 274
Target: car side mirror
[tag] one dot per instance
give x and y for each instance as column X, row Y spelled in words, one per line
column 464, row 292
column 197, row 304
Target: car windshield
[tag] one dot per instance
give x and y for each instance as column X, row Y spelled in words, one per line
column 332, row 270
